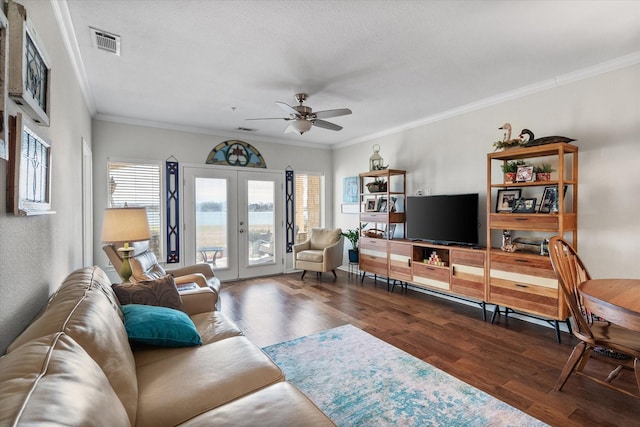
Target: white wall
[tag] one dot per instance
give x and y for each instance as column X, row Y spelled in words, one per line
column 602, row 113
column 124, row 141
column 37, row 253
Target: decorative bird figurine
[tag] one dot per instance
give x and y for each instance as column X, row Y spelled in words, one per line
column 507, row 134
column 507, row 142
column 531, row 141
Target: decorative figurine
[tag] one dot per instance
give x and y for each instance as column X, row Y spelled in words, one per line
column 531, row 141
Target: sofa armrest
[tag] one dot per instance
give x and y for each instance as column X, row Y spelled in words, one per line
column 198, row 279
column 301, row 247
column 204, row 269
column 200, row 300
column 332, row 255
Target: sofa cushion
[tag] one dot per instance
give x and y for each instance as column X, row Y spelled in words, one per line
column 161, row 326
column 212, row 326
column 280, row 405
column 161, row 292
column 145, row 266
column 53, row 381
column 323, row 237
column 201, row 379
column 86, row 309
column 310, row 255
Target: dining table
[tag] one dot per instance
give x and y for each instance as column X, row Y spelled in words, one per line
column 617, row 300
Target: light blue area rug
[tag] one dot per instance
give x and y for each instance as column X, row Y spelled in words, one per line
column 359, row 380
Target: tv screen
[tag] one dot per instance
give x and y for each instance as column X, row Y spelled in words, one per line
column 443, row 219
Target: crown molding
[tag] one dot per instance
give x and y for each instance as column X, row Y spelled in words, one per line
column 63, row 18
column 575, row 76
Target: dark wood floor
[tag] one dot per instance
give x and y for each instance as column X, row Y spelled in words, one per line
column 513, row 360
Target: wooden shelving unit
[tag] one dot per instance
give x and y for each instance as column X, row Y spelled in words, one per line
column 525, row 281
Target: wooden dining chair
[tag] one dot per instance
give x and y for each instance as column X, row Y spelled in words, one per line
column 590, row 330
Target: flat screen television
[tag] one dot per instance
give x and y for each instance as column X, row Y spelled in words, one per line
column 443, row 219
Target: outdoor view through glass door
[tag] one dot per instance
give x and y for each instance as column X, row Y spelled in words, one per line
column 233, row 221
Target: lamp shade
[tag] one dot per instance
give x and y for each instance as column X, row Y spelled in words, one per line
column 125, row 225
column 301, row 126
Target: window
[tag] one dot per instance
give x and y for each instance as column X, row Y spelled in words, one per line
column 308, row 200
column 134, row 184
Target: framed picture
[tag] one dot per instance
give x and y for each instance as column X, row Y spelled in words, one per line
column 523, row 205
column 29, row 174
column 549, row 203
column 392, row 204
column 29, row 69
column 391, row 232
column 370, row 205
column 524, row 174
column 382, row 204
column 506, row 199
column 350, row 189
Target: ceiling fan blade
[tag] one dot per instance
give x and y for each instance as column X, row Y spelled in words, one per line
column 288, row 108
column 289, row 129
column 325, row 114
column 271, row 118
column 326, row 125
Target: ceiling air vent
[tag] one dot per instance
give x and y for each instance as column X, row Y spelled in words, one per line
column 105, row 41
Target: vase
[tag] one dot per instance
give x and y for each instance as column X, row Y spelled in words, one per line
column 543, row 176
column 353, row 255
column 509, row 177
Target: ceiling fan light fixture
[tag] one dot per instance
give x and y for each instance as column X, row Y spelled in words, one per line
column 301, row 125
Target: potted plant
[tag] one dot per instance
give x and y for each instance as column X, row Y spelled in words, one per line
column 353, row 236
column 509, row 169
column 543, row 172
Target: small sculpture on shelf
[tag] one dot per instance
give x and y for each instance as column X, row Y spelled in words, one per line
column 507, row 245
column 507, row 142
column 377, row 186
column 531, row 140
column 376, row 162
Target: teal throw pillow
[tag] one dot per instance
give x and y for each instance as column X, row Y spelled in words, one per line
column 159, row 326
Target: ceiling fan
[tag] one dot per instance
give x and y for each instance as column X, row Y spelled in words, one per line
column 303, row 117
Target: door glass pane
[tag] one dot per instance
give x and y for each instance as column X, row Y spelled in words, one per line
column 261, row 226
column 211, row 222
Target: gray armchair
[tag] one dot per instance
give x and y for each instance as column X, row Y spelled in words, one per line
column 321, row 252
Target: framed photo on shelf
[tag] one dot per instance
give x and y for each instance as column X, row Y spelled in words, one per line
column 549, row 201
column 524, row 174
column 370, row 205
column 382, row 204
column 506, row 199
column 392, row 231
column 524, row 205
column 392, row 204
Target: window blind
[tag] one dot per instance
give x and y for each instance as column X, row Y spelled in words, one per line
column 134, row 184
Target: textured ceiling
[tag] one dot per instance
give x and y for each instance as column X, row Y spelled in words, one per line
column 207, row 65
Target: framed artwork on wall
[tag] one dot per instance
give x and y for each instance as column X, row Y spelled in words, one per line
column 29, row 173
column 29, row 69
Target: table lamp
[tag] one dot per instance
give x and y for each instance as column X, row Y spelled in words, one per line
column 125, row 225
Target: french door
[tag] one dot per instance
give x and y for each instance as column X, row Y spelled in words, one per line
column 233, row 220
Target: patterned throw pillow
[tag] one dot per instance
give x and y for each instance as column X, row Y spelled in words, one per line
column 161, row 292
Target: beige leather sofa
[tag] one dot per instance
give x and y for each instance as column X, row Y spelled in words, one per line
column 74, row 366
